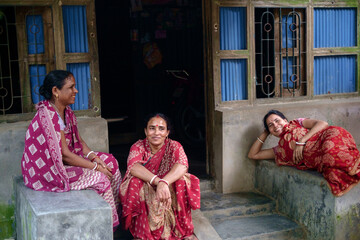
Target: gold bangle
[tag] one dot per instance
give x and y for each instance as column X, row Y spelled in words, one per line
column 260, row 140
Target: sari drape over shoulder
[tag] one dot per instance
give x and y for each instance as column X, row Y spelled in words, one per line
column 331, row 152
column 42, row 165
column 142, row 213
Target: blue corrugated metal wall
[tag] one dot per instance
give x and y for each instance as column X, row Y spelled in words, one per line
column 287, row 35
column 334, row 74
column 81, row 72
column 233, row 37
column 35, row 34
column 288, row 71
column 334, row 27
column 233, row 79
column 37, row 75
column 232, row 28
column 75, row 29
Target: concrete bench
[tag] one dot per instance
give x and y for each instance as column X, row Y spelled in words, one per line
column 305, row 197
column 69, row 215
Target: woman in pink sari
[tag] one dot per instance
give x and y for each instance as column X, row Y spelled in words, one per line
column 157, row 193
column 56, row 158
column 311, row 144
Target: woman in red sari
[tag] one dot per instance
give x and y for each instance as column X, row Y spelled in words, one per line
column 157, row 193
column 56, row 158
column 311, row 144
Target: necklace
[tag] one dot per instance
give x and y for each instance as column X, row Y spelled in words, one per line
column 57, row 110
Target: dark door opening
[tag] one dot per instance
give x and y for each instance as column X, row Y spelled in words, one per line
column 151, row 60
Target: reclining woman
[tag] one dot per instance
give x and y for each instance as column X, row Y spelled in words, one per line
column 157, row 193
column 56, row 158
column 311, row 144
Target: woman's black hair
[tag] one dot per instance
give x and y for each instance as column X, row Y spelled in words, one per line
column 163, row 116
column 54, row 78
column 276, row 112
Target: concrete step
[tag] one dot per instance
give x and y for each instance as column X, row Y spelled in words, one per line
column 217, row 206
column 261, row 227
column 247, row 215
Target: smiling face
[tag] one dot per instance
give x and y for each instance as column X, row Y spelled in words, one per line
column 276, row 124
column 156, row 131
column 68, row 92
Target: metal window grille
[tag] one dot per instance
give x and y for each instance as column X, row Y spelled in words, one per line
column 280, row 52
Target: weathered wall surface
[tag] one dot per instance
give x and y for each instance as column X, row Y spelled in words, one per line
column 12, row 135
column 240, row 127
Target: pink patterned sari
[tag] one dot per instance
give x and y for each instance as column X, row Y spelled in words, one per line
column 42, row 165
column 331, row 152
column 142, row 213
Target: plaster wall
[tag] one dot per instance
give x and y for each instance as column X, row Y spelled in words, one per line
column 12, row 135
column 239, row 128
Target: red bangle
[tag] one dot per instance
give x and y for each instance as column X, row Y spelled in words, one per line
column 164, row 181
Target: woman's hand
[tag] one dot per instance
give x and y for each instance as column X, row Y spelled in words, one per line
column 256, row 152
column 163, row 194
column 105, row 171
column 101, row 163
column 298, row 153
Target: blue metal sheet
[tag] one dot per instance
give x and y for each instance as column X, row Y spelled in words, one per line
column 81, row 72
column 232, row 28
column 288, row 36
column 233, row 79
column 37, row 75
column 75, row 29
column 334, row 27
column 334, row 74
column 289, row 68
column 35, row 34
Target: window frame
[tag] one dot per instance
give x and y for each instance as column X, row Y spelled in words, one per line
column 249, row 53
column 61, row 57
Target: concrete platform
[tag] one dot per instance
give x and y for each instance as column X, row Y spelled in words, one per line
column 69, row 215
column 305, row 197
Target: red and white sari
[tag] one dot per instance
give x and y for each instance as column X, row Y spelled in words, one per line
column 142, row 213
column 331, row 152
column 42, row 165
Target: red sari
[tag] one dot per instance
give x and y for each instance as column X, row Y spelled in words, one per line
column 331, row 152
column 42, row 165
column 142, row 213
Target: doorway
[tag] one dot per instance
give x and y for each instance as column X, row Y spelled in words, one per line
column 151, row 60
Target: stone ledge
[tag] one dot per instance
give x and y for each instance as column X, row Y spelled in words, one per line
column 69, row 215
column 305, row 197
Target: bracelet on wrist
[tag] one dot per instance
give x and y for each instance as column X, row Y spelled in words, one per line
column 87, row 155
column 152, row 179
column 92, row 160
column 260, row 140
column 300, row 143
column 164, row 181
column 96, row 166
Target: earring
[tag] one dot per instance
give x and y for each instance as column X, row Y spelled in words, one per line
column 57, row 96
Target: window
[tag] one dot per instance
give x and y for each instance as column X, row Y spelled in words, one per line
column 265, row 51
column 335, row 28
column 280, row 52
column 34, row 42
column 232, row 38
